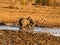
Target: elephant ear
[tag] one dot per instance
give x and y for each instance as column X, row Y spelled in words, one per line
column 20, row 21
column 31, row 21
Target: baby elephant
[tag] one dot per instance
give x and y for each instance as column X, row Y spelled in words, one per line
column 26, row 22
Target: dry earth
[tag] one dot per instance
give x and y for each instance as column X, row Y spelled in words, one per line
column 27, row 38
column 42, row 15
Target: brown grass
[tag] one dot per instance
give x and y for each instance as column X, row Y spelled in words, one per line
column 45, row 15
column 42, row 15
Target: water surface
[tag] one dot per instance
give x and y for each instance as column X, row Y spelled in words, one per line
column 54, row 31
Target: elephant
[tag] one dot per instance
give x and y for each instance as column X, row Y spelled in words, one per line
column 26, row 22
column 2, row 24
column 31, row 22
column 23, row 22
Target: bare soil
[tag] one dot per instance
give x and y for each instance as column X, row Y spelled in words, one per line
column 42, row 15
column 27, row 38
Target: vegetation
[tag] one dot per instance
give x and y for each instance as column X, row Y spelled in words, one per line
column 42, row 2
column 24, row 2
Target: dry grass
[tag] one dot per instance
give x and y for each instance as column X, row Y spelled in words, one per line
column 43, row 15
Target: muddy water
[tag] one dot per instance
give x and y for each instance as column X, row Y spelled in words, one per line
column 9, row 27
column 54, row 31
column 37, row 29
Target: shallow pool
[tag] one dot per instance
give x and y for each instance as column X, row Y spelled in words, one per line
column 54, row 31
column 37, row 29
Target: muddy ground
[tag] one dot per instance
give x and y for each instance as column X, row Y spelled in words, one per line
column 27, row 38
